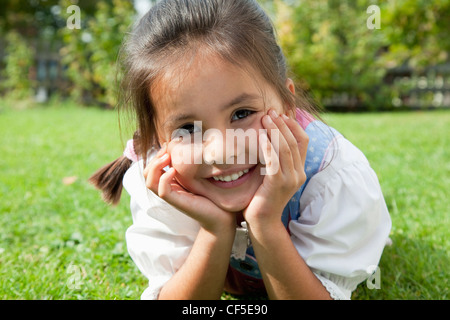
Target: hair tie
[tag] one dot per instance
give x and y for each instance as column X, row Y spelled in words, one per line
column 129, row 151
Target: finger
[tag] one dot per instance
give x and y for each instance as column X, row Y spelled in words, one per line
column 279, row 142
column 159, row 154
column 301, row 137
column 270, row 157
column 291, row 146
column 172, row 192
column 165, row 184
column 155, row 172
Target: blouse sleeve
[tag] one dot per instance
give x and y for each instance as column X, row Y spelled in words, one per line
column 160, row 238
column 344, row 222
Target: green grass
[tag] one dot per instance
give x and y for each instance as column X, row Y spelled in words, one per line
column 410, row 153
column 55, row 236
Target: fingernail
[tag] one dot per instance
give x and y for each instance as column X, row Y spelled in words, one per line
column 273, row 114
column 269, row 120
column 285, row 117
column 164, row 157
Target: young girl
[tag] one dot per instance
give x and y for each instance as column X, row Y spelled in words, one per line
column 295, row 212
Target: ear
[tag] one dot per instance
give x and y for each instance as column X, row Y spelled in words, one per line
column 290, row 85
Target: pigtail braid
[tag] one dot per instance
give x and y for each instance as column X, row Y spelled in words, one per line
column 108, row 179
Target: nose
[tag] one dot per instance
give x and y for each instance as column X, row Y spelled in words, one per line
column 220, row 148
column 228, row 146
column 213, row 147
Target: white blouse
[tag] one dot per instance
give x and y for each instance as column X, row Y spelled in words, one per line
column 340, row 234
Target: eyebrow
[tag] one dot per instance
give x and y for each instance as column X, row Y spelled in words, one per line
column 244, row 97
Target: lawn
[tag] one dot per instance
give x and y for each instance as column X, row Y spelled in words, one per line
column 59, row 241
column 410, row 153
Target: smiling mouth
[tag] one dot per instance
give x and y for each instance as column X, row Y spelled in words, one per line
column 232, row 180
column 231, row 177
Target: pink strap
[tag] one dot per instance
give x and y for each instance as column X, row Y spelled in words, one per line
column 129, row 151
column 303, row 118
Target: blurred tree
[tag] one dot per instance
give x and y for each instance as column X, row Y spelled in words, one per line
column 90, row 53
column 328, row 45
column 31, row 18
column 341, row 60
column 34, row 24
column 417, row 31
column 331, row 49
column 18, row 61
column 108, row 28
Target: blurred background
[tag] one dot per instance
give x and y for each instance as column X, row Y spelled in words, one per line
column 345, row 64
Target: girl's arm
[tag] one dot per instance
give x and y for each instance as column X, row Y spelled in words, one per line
column 285, row 274
column 202, row 275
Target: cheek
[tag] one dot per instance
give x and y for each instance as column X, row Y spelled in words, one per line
column 186, row 176
column 184, row 152
column 257, row 125
column 182, row 161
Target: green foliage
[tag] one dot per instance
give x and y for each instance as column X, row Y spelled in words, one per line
column 331, row 49
column 18, row 62
column 328, row 45
column 108, row 28
column 91, row 52
column 417, row 31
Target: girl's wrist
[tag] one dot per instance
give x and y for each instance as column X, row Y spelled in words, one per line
column 218, row 239
column 263, row 228
column 263, row 218
column 222, row 229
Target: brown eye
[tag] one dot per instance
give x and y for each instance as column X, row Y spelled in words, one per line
column 190, row 128
column 185, row 131
column 241, row 114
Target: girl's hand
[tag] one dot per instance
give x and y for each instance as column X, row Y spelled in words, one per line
column 284, row 150
column 164, row 184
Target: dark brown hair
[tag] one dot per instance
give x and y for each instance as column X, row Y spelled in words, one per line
column 238, row 31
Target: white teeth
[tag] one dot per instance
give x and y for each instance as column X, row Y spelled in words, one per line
column 232, row 177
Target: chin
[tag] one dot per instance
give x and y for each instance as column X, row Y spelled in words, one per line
column 233, row 206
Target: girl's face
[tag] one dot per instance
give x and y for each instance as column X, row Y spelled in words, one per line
column 195, row 111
